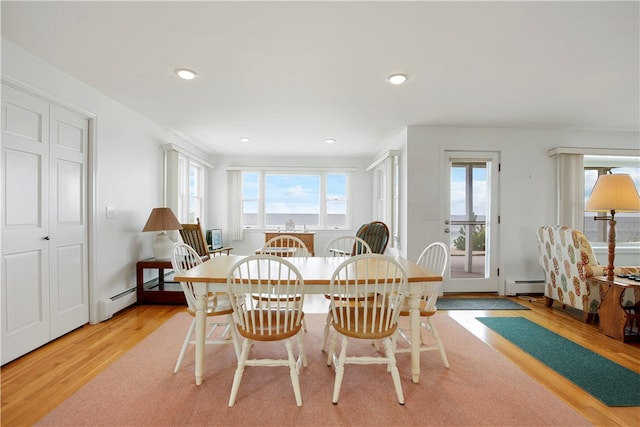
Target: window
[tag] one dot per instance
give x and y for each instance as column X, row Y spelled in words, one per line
column 317, row 200
column 627, row 224
column 190, row 190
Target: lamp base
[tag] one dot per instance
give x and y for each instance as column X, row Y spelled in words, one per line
column 162, row 246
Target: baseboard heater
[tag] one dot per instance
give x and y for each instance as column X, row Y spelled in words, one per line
column 108, row 306
column 518, row 287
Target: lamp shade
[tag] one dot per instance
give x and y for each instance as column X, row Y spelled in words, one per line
column 614, row 192
column 162, row 219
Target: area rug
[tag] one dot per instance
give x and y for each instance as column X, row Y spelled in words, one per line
column 482, row 388
column 478, row 304
column 609, row 382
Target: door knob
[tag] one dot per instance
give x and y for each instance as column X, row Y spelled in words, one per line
column 46, row 238
column 446, row 230
column 446, row 221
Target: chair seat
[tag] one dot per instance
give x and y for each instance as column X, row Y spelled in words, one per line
column 424, row 312
column 218, row 304
column 265, row 326
column 352, row 324
column 274, row 298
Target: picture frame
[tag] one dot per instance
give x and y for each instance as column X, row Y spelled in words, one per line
column 214, row 238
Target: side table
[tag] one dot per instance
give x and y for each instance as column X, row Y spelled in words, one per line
column 616, row 321
column 157, row 291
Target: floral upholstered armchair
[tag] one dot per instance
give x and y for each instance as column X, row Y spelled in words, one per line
column 568, row 260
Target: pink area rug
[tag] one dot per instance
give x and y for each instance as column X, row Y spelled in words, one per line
column 481, row 388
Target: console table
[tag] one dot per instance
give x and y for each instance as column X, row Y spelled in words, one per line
column 306, row 237
column 616, row 321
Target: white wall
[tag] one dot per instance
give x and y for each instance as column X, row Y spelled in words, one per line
column 527, row 184
column 128, row 171
column 360, row 193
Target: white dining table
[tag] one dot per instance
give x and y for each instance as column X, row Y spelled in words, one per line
column 211, row 276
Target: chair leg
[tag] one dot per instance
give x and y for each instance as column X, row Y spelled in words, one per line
column 325, row 335
column 332, row 348
column 237, row 378
column 436, row 337
column 395, row 374
column 302, row 350
column 185, row 345
column 293, row 372
column 339, row 368
column 233, row 330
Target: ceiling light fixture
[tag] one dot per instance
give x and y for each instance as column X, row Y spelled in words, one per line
column 329, row 140
column 245, row 139
column 397, row 79
column 186, row 74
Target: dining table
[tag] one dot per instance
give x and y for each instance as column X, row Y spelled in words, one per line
column 211, row 276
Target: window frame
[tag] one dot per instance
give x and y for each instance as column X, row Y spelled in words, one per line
column 603, row 164
column 323, row 202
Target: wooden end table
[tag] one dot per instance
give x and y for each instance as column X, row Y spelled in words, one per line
column 157, row 291
column 617, row 321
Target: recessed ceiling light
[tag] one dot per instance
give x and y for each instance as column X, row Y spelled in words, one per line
column 186, row 74
column 329, row 140
column 245, row 139
column 397, row 79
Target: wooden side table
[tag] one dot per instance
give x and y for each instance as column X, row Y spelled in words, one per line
column 617, row 321
column 157, row 291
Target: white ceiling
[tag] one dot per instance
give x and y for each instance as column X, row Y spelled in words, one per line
column 288, row 75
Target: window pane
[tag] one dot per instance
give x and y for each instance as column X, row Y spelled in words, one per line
column 336, row 186
column 627, row 223
column 295, row 197
column 250, row 185
column 336, row 213
column 249, row 212
column 194, row 180
column 458, row 196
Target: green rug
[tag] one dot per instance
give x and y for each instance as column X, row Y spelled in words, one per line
column 607, row 381
column 478, row 304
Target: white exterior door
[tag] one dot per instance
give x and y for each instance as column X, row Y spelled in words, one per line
column 471, row 227
column 44, row 222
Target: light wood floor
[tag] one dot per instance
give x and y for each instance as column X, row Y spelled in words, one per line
column 42, row 379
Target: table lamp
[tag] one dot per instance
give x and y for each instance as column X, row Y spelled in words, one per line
column 613, row 193
column 162, row 219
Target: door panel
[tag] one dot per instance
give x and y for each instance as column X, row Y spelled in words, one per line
column 471, row 228
column 68, row 222
column 25, row 252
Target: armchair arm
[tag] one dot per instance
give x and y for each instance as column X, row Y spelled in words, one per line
column 599, row 270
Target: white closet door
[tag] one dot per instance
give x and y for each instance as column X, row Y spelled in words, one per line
column 44, row 222
column 25, row 217
column 69, row 299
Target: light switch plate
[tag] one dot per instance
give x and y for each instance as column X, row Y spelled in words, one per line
column 111, row 212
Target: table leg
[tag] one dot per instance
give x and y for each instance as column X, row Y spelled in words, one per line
column 414, row 317
column 201, row 324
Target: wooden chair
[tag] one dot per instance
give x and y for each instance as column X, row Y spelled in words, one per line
column 346, row 245
column 184, row 258
column 278, row 320
column 376, row 234
column 353, row 280
column 341, row 246
column 283, row 246
column 193, row 236
column 434, row 258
